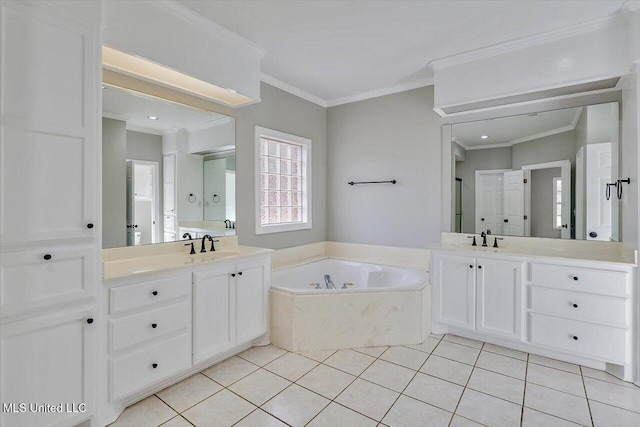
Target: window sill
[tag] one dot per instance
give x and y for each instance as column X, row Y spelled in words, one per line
column 281, row 228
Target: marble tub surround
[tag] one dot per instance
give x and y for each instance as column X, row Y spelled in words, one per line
column 132, row 260
column 382, row 255
column 397, row 386
column 580, row 250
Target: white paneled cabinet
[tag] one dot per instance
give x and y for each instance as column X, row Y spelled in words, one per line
column 576, row 311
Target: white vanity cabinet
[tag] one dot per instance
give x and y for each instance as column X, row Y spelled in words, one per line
column 229, row 307
column 478, row 294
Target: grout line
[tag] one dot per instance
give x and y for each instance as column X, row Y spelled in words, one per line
column 464, row 389
column 524, row 390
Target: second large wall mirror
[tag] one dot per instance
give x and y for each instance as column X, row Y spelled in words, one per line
column 168, row 170
column 550, row 174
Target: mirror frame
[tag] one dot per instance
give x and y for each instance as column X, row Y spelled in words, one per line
column 503, row 111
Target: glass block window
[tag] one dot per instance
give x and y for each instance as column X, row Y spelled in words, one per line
column 283, row 185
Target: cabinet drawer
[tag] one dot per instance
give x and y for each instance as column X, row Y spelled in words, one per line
column 600, row 342
column 141, row 327
column 136, row 371
column 123, row 298
column 578, row 305
column 32, row 280
column 594, row 281
column 170, row 223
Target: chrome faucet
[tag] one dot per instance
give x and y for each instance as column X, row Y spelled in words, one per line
column 328, row 283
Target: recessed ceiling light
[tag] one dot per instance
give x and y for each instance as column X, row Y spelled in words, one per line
column 153, row 117
column 482, row 137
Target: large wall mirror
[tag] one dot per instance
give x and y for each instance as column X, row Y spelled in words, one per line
column 168, row 170
column 550, row 174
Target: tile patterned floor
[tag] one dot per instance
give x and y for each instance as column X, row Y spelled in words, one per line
column 445, row 381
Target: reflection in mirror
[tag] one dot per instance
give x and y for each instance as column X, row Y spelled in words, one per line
column 539, row 175
column 168, row 170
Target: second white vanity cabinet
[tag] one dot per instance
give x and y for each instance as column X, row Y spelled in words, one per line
column 480, row 294
column 229, row 307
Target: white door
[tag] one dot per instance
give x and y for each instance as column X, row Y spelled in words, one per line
column 131, row 204
column 598, row 207
column 498, row 297
column 48, row 124
column 47, row 360
column 489, row 201
column 169, row 185
column 251, row 297
column 513, row 203
column 454, row 293
column 213, row 311
column 580, row 195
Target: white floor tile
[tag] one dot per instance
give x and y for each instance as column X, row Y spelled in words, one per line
column 372, row 351
column 368, row 399
column 188, row 392
column 326, row 381
column 492, row 348
column 317, row 355
column 553, row 402
column 603, row 415
column 262, row 355
column 296, row 405
column 149, row 412
column 336, row 415
column 605, row 376
column 260, row 386
column 223, row 409
column 259, row 418
column 350, row 361
column 436, row 336
column 502, row 364
column 447, row 369
column 531, row 418
column 497, row 385
column 177, row 422
column 614, row 395
column 556, row 379
column 489, row 410
column 408, row 412
column 459, row 421
column 552, row 363
column 463, row 341
column 291, row 366
column 427, row 346
column 230, row 370
column 435, row 391
column 407, row 357
column 460, row 353
column 388, row 375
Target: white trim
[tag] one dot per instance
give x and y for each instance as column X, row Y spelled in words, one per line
column 543, row 134
column 555, row 180
column 143, row 129
column 389, row 90
column 524, row 42
column 482, row 147
column 114, row 116
column 210, row 123
column 306, row 181
column 300, row 93
column 211, row 26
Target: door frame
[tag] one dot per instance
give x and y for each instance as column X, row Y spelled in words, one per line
column 156, row 236
column 475, row 185
column 565, row 175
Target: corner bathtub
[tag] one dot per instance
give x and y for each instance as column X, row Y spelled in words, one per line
column 372, row 305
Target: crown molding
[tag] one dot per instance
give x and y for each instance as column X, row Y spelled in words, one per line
column 114, row 116
column 209, row 124
column 525, row 42
column 380, row 92
column 143, row 129
column 542, row 134
column 484, row 147
column 300, row 93
column 213, row 27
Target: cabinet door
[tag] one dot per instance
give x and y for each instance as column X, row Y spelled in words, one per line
column 48, row 126
column 213, row 312
column 251, row 289
column 454, row 291
column 47, row 360
column 499, row 297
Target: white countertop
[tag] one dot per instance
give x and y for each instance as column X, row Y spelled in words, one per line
column 571, row 250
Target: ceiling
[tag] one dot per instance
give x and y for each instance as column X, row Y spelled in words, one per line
column 512, row 130
column 136, row 108
column 336, row 51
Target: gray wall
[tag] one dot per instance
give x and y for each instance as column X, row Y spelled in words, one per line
column 487, row 159
column 542, row 203
column 390, row 137
column 114, row 182
column 552, row 148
